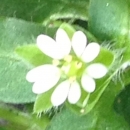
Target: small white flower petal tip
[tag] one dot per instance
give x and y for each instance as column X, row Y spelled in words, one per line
column 125, row 65
column 60, row 93
column 91, row 52
column 55, row 49
column 74, row 93
column 47, row 45
column 79, row 42
column 42, row 76
column 63, row 43
column 88, row 83
column 97, row 70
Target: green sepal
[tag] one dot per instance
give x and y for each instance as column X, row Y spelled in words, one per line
column 33, row 55
column 101, row 85
column 106, row 57
column 88, row 101
column 43, row 102
column 68, row 28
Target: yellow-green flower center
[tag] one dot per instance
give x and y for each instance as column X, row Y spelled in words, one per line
column 72, row 66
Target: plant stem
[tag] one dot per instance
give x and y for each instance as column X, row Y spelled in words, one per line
column 28, row 122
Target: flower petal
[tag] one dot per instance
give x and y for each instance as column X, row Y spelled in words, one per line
column 44, row 72
column 64, row 43
column 42, row 76
column 125, row 65
column 74, row 93
column 40, row 87
column 88, row 83
column 96, row 70
column 91, row 52
column 48, row 46
column 60, row 93
column 79, row 42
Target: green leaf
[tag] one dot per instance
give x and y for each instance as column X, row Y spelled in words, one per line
column 123, row 103
column 14, row 87
column 33, row 55
column 114, row 25
column 109, row 20
column 13, row 69
column 15, row 119
column 42, row 10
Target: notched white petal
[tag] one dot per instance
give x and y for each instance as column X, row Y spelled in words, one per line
column 64, row 43
column 42, row 72
column 74, row 93
column 40, row 87
column 91, row 52
column 45, row 80
column 79, row 42
column 47, row 45
column 97, row 70
column 34, row 74
column 88, row 83
column 125, row 65
column 60, row 93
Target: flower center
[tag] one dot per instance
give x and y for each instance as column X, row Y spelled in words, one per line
column 72, row 66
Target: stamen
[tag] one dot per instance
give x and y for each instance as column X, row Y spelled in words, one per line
column 55, row 62
column 68, row 58
column 78, row 65
column 72, row 79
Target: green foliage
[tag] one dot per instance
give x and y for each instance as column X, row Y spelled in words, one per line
column 14, row 34
column 114, row 24
column 123, row 101
column 14, row 119
column 33, row 55
column 43, row 102
column 42, row 10
column 106, row 52
column 108, row 21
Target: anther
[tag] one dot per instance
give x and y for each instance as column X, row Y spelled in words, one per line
column 78, row 65
column 68, row 58
column 55, row 62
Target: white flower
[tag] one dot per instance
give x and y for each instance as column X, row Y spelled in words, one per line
column 47, row 76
